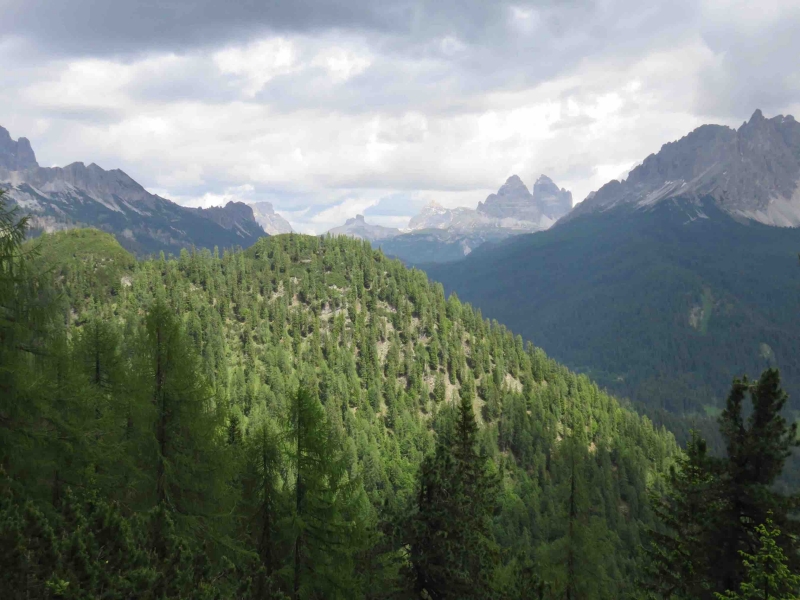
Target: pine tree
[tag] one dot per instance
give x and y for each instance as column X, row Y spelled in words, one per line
column 264, row 501
column 453, row 552
column 324, row 524
column 185, row 420
column 679, row 564
column 766, row 573
column 757, row 448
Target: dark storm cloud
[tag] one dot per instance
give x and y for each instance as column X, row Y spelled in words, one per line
column 100, row 26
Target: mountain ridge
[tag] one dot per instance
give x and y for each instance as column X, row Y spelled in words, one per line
column 77, row 195
column 439, row 234
column 689, row 265
column 751, row 172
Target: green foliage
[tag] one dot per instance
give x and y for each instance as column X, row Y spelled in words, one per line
column 711, row 513
column 656, row 305
column 767, row 575
column 453, row 551
column 167, row 390
column 679, row 561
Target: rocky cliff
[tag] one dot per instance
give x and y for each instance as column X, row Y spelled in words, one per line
column 79, row 196
column 751, row 172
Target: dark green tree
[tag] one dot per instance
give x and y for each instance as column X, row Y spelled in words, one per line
column 323, row 525
column 679, row 564
column 766, row 573
column 453, row 552
column 757, row 448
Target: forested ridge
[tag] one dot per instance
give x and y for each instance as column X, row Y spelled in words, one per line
column 303, row 419
column 664, row 306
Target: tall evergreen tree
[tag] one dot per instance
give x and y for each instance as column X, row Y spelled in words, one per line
column 712, row 509
column 453, row 552
column 323, row 524
column 757, row 448
column 185, row 420
column 679, row 564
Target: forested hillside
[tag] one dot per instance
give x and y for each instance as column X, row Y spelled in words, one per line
column 664, row 305
column 256, row 424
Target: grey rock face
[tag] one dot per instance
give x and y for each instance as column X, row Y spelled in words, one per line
column 512, row 200
column 552, row 201
column 751, row 172
column 440, row 234
column 436, row 216
column 513, row 207
column 234, row 216
column 15, row 156
column 270, row 221
column 357, row 227
column 89, row 196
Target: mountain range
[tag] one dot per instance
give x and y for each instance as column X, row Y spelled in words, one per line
column 58, row 198
column 77, row 195
column 666, row 285
column 439, row 234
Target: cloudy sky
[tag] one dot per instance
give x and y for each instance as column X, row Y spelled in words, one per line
column 328, row 109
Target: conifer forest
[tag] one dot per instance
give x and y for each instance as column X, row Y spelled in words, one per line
column 310, row 419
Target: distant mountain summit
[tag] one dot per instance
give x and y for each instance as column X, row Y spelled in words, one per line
column 272, row 222
column 751, row 172
column 436, row 216
column 513, row 207
column 357, row 227
column 439, row 234
column 15, row 156
column 514, row 203
column 553, row 202
column 77, row 195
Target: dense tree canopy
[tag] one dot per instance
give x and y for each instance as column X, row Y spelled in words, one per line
column 272, row 423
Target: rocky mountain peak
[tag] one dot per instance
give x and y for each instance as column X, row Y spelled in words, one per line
column 270, row 221
column 357, row 227
column 77, row 195
column 554, row 202
column 234, row 216
column 16, row 155
column 545, row 205
column 513, row 185
column 752, row 172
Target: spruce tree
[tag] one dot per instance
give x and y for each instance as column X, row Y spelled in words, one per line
column 453, row 552
column 757, row 448
column 324, row 524
column 679, row 564
column 766, row 573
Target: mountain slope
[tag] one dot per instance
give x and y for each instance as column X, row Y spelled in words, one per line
column 751, row 172
column 666, row 285
column 78, row 196
column 664, row 305
column 386, row 356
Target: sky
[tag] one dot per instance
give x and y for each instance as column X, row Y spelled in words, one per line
column 329, row 109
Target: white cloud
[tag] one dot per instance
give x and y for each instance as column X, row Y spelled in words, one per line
column 257, row 63
column 323, row 124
